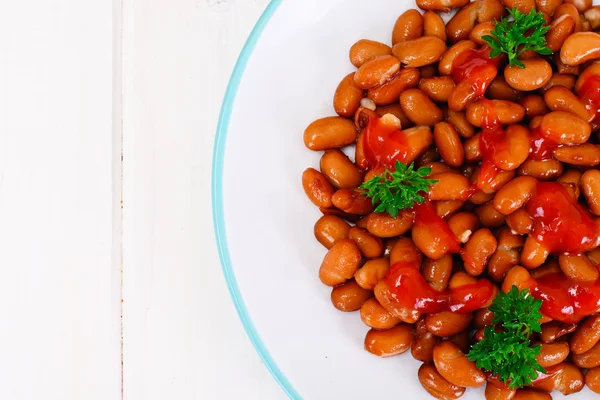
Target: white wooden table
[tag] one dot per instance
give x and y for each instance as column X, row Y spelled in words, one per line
column 110, row 283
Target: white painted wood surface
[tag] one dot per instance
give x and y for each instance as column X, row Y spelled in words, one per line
column 65, row 264
column 182, row 338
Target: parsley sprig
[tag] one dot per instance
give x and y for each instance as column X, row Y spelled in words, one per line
column 506, row 349
column 398, row 190
column 510, row 36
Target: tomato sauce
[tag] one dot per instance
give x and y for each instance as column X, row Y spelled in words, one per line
column 589, row 94
column 560, row 223
column 491, row 140
column 384, row 144
column 426, row 215
column 410, row 290
column 476, row 67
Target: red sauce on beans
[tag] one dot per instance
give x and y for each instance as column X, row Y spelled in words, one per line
column 491, row 140
column 589, row 94
column 384, row 144
column 541, row 146
column 410, row 290
column 565, row 299
column 475, row 66
column 425, row 214
column 560, row 223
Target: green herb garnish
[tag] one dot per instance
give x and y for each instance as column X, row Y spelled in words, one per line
column 509, row 36
column 506, row 349
column 398, row 190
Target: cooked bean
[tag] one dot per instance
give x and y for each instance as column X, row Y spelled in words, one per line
column 447, row 60
column 449, row 186
column 317, row 188
column 339, row 170
column 389, row 92
column 340, row 263
column 489, row 217
column 520, row 222
column 462, row 23
column 506, row 111
column 437, row 88
column 514, row 194
column 377, row 72
column 459, row 121
column 384, row 226
column 366, row 50
column 573, row 178
column 586, row 154
column 499, row 89
column 445, row 208
column 581, row 5
column 408, row 26
column 580, row 47
column 454, row 366
column 547, row 6
column 375, row 316
column 552, row 354
column 352, row 201
column 542, row 170
column 530, row 394
column 560, row 29
column 534, row 106
column 395, row 110
column 477, row 251
column 589, row 359
column 372, row 272
column 524, row 6
column 571, row 10
column 435, row 384
column 559, row 98
column 480, row 30
column 349, row 296
column 482, row 318
column 405, row 250
column 370, row 246
column 498, row 392
column 329, row 133
column 419, row 108
column 536, row 74
column 590, row 184
column 418, row 52
column 433, row 25
column 592, row 379
column 389, row 342
column 448, row 143
column 465, row 93
column 516, row 150
column 534, row 253
column 493, row 184
column 593, row 16
column 425, row 341
column 447, row 323
column 329, row 229
column 346, row 100
column 554, row 330
column 428, row 71
column 437, row 272
column 506, row 256
column 564, row 377
column 587, row 335
column 463, row 224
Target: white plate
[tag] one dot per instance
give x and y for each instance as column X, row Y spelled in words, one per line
column 285, row 78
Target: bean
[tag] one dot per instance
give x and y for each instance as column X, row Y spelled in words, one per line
column 589, row 359
column 497, row 392
column 581, row 5
column 477, row 251
column 499, row 89
column 516, row 276
column 419, row 108
column 547, row 6
column 445, row 208
column 433, row 25
column 592, row 379
column 534, row 253
column 339, row 170
column 389, row 342
column 366, row 50
column 429, row 242
column 542, row 170
column 437, row 88
column 449, row 186
column 338, row 213
column 520, row 222
column 405, row 251
column 370, row 246
column 466, row 93
column 352, row 202
column 565, row 128
column 516, row 150
column 340, row 263
column 559, row 98
column 419, row 52
column 552, row 354
column 590, row 184
column 463, row 224
column 454, row 366
column 587, row 335
column 489, row 11
column 554, row 330
column 482, row 318
column 447, row 323
column 408, row 26
column 375, row 316
column 593, row 16
column 524, row 6
column 489, row 217
column 428, row 71
column 418, row 139
column 571, row 10
column 506, row 256
column 534, row 105
column 448, row 143
column 461, row 24
column 549, row 268
column 586, row 154
column 447, row 60
column 328, row 133
column 589, row 71
column 564, row 377
column 514, row 194
column 492, row 185
column 349, row 296
column 386, row 299
column 425, row 341
column 580, row 47
column 372, row 272
column 480, row 30
column 385, row 226
column 530, row 394
column 434, row 383
column 377, row 72
column 317, row 188
column 535, row 75
column 389, row 92
column 437, row 272
column 560, row 29
column 462, row 340
column 396, row 110
column 346, row 100
column 506, row 111
column 563, row 68
column 460, row 123
column 329, row 229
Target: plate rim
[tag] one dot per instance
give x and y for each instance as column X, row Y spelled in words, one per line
column 217, row 200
